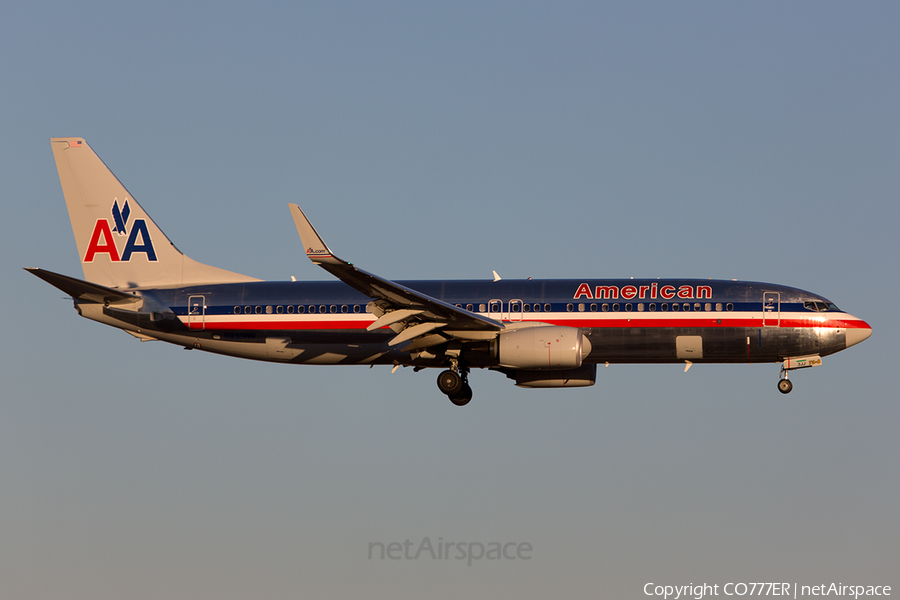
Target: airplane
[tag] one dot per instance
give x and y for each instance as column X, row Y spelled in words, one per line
column 541, row 333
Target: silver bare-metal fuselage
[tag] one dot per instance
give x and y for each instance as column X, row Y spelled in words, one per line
column 325, row 322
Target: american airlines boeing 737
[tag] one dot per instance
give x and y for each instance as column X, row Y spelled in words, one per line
column 542, row 333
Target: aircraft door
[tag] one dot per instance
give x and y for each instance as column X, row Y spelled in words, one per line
column 771, row 309
column 196, row 313
column 515, row 310
column 495, row 309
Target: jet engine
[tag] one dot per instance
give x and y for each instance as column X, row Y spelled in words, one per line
column 541, row 347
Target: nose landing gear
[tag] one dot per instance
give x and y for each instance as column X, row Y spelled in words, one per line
column 784, row 384
column 791, row 364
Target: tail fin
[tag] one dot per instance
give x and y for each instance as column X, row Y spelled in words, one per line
column 119, row 244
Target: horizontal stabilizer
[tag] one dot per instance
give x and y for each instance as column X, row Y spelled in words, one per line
column 84, row 290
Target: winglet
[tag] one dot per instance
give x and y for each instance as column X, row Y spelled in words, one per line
column 316, row 249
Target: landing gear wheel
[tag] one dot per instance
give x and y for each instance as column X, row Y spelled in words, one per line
column 450, row 383
column 463, row 397
column 785, row 386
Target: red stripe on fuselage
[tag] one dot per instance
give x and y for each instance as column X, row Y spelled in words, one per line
column 283, row 325
column 607, row 322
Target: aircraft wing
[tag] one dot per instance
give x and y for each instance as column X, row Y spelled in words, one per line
column 409, row 313
column 84, row 290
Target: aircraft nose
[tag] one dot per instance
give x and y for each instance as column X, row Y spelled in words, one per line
column 857, row 334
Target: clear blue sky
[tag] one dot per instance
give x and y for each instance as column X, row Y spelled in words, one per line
column 755, row 141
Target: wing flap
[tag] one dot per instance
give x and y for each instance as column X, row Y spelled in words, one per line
column 414, row 331
column 394, row 316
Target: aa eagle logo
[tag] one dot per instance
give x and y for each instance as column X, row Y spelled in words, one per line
column 103, row 241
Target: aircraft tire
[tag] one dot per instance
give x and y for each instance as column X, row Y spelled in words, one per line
column 450, row 382
column 463, row 397
column 785, row 386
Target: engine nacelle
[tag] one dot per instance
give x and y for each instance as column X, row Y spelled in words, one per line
column 583, row 376
column 542, row 347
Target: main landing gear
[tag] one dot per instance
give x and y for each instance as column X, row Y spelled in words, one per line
column 455, row 384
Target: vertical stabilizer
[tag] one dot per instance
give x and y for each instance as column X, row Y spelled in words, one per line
column 119, row 244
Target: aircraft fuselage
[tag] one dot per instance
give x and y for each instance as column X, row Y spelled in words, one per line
column 626, row 321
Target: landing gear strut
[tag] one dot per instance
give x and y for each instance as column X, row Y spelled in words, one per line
column 455, row 384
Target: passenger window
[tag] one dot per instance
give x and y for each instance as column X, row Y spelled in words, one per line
column 664, row 307
column 687, row 306
column 628, row 307
column 707, row 306
column 605, row 307
column 279, row 309
column 469, row 307
column 729, row 306
column 301, row 310
column 356, row 308
column 237, row 310
column 526, row 307
column 259, row 310
column 676, row 307
column 547, row 308
column 718, row 307
column 482, row 308
column 333, row 308
column 593, row 308
column 345, row 308
column 580, row 307
column 640, row 307
column 268, row 310
column 290, row 309
column 247, row 310
column 323, row 309
column 515, row 307
column 570, row 307
column 696, row 306
column 616, row 307
column 652, row 306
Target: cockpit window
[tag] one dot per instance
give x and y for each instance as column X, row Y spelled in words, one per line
column 820, row 306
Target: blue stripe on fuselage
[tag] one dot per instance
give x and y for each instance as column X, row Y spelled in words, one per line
column 223, row 298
